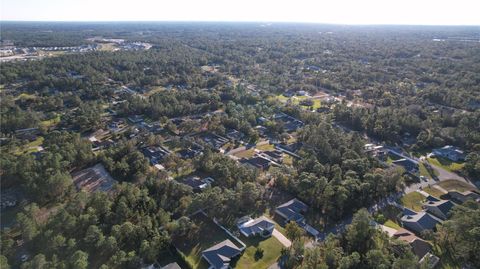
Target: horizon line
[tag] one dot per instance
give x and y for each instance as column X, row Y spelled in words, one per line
column 227, row 21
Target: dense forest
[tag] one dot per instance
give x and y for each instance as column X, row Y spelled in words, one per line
column 364, row 84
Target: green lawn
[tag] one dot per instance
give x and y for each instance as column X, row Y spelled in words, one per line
column 316, row 104
column 245, row 154
column 26, row 96
column 391, row 224
column 271, row 252
column 455, row 185
column 433, row 191
column 287, row 159
column 29, row 147
column 413, row 200
column 446, row 164
column 51, row 122
column 266, row 147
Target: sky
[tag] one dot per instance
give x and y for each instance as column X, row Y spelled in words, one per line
column 412, row 12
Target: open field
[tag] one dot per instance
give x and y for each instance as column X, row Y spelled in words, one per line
column 107, row 47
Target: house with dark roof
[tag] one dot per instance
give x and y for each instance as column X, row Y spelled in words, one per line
column 419, row 222
column 290, row 149
column 135, row 119
column 292, row 210
column 258, row 162
column 439, row 208
column 155, row 154
column 410, row 165
column 234, row 135
column 419, row 246
column 275, row 155
column 197, row 183
column 290, row 124
column 214, row 140
column 461, row 197
column 220, row 255
column 450, row 152
column 261, row 226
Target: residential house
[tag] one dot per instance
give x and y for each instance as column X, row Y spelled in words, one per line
column 135, row 119
column 220, row 255
column 461, row 197
column 290, row 149
column 155, row 154
column 410, row 166
column 419, row 221
column 439, row 208
column 234, row 135
column 276, row 155
column 419, row 246
column 214, row 140
column 198, row 184
column 430, row 259
column 292, row 210
column 450, row 152
column 261, row 226
column 259, row 162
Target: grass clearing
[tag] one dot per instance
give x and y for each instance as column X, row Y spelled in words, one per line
column 446, row 164
column 26, row 96
column 433, row 191
column 413, row 200
column 107, row 47
column 424, row 171
column 245, row 154
column 271, row 252
column 29, row 147
column 287, row 159
column 51, row 122
column 455, row 185
column 266, row 147
column 390, row 223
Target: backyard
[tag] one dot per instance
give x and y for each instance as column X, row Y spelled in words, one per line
column 251, row 259
column 413, row 200
column 208, row 235
column 446, row 164
column 455, row 185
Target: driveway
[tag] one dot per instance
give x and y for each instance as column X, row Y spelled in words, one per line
column 280, row 237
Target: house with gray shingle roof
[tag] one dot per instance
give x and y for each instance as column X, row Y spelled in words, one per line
column 260, row 226
column 461, row 197
column 220, row 255
column 439, row 208
column 419, row 222
column 292, row 210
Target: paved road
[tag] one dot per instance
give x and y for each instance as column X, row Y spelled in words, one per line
column 280, row 237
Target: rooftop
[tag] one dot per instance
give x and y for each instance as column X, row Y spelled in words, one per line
column 292, row 210
column 220, row 255
column 256, row 226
